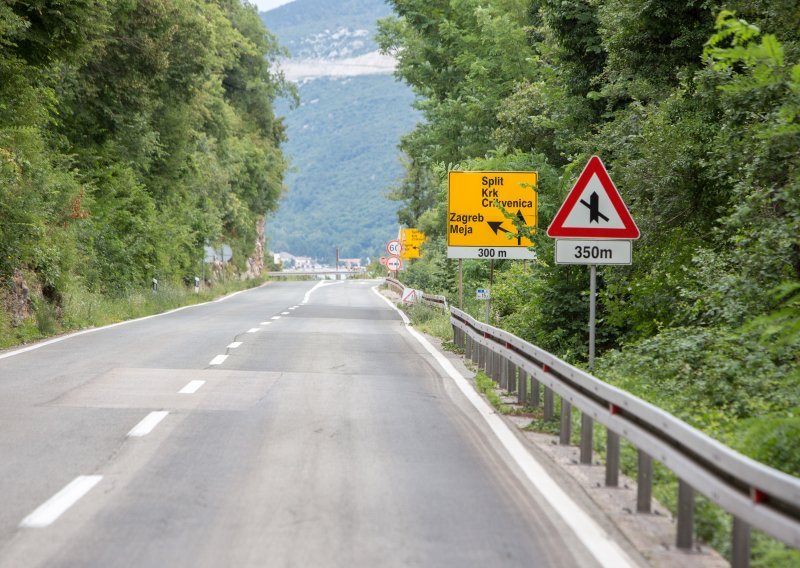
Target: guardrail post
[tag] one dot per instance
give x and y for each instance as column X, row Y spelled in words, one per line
column 612, row 459
column 467, row 347
column 740, row 553
column 522, row 386
column 502, row 371
column 534, row 398
column 587, row 438
column 511, row 375
column 548, row 404
column 685, row 531
column 644, row 481
column 565, row 432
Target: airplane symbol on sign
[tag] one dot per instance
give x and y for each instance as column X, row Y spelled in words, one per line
column 594, row 208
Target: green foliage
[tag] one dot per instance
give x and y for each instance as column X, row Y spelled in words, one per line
column 130, row 134
column 698, row 121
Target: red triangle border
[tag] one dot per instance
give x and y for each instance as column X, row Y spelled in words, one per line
column 593, row 167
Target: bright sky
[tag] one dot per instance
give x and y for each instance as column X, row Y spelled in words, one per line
column 264, row 5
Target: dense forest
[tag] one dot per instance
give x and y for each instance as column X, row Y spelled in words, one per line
column 131, row 133
column 694, row 106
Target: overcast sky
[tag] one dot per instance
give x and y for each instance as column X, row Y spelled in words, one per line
column 264, row 5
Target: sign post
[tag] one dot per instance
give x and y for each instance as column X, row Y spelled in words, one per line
column 593, row 226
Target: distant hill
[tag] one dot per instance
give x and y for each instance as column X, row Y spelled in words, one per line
column 342, row 139
column 309, row 28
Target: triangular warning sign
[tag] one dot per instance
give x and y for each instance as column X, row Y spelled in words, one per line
column 594, row 208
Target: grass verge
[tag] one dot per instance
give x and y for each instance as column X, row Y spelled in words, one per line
column 82, row 309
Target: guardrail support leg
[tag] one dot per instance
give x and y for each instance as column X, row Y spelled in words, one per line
column 501, row 370
column 522, row 387
column 644, row 480
column 566, row 423
column 587, row 437
column 741, row 544
column 534, row 398
column 511, row 376
column 467, row 347
column 612, row 459
column 685, row 534
column 548, row 405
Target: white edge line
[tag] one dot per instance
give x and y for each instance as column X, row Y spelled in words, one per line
column 39, row 345
column 147, row 424
column 54, row 507
column 191, row 387
column 218, row 360
column 596, row 540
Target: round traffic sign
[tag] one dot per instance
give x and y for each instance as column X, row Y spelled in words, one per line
column 383, row 261
column 394, row 264
column 394, row 247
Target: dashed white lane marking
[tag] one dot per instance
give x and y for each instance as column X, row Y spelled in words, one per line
column 234, row 345
column 191, row 387
column 54, row 507
column 284, row 313
column 294, row 307
column 592, row 535
column 275, row 317
column 218, row 360
column 254, row 330
column 35, row 346
column 265, row 323
column 147, row 424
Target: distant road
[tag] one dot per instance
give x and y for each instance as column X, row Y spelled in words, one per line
column 298, row 424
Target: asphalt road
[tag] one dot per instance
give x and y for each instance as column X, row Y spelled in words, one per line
column 291, row 425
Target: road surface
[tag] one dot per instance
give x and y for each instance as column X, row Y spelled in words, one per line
column 298, row 424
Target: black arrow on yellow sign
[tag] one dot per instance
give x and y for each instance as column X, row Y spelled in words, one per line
column 497, row 226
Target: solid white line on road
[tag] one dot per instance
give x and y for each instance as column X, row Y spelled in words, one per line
column 254, row 330
column 234, row 345
column 594, row 538
column 276, row 317
column 191, row 387
column 218, row 360
column 317, row 286
column 147, row 424
column 54, row 507
column 36, row 346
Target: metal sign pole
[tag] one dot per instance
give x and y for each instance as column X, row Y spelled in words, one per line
column 587, row 426
column 592, row 312
column 491, row 281
column 460, row 285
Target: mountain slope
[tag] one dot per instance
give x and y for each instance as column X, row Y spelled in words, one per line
column 343, row 137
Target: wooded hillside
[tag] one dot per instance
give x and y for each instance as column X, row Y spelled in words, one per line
column 131, row 132
column 695, row 108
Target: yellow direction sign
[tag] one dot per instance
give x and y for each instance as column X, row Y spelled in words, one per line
column 476, row 226
column 412, row 240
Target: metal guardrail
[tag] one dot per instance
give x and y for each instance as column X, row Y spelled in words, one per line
column 756, row 495
column 307, row 273
column 395, row 285
column 435, row 301
column 431, row 300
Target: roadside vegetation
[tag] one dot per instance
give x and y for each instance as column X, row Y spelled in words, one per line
column 695, row 109
column 131, row 134
column 82, row 309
